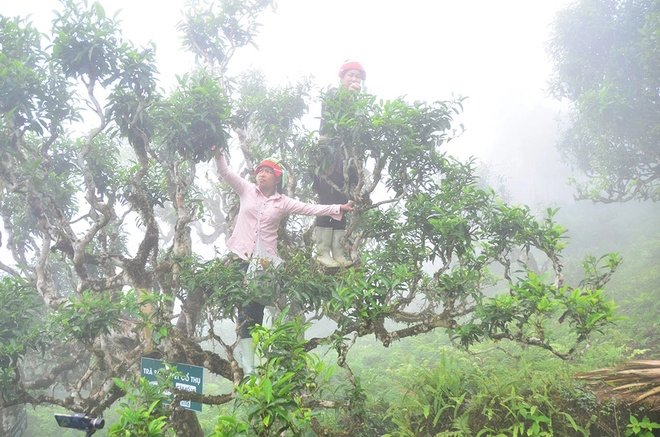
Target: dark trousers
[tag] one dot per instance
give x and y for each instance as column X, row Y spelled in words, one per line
column 251, row 313
column 329, row 196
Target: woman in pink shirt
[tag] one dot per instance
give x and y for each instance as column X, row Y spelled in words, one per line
column 254, row 240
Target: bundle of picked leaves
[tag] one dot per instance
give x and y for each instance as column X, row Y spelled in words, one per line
column 639, row 377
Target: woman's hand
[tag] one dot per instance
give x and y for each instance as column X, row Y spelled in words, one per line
column 347, row 207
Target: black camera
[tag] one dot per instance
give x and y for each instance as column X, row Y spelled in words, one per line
column 80, row 421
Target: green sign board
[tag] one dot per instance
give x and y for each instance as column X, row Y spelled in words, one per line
column 192, row 378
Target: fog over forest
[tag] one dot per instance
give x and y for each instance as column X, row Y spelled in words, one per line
column 496, row 58
column 447, row 287
column 421, row 50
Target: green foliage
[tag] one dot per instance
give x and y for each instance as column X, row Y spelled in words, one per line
column 521, row 416
column 439, row 254
column 632, row 230
column 223, row 283
column 94, row 314
column 34, row 94
column 231, row 426
column 635, row 288
column 273, row 400
column 431, row 389
column 433, row 399
column 86, row 42
column 300, row 284
column 214, row 30
column 606, row 61
column 150, row 312
column 361, row 297
column 643, row 429
column 133, row 95
column 194, row 119
column 143, row 413
column 20, row 328
column 401, row 138
column 273, row 112
column 466, row 234
column 133, row 182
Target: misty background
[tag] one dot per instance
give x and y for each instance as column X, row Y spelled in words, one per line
column 493, row 53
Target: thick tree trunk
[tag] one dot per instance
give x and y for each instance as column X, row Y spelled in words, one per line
column 186, row 424
column 13, row 421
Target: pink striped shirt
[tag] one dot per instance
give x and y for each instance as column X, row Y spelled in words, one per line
column 272, row 210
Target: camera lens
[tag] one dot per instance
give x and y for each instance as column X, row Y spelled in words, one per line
column 96, row 423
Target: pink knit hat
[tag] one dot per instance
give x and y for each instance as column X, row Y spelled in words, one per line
column 352, row 65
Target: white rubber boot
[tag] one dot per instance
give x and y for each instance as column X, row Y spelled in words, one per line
column 338, row 252
column 246, row 355
column 323, row 238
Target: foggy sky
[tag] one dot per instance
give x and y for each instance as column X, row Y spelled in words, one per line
column 491, row 52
